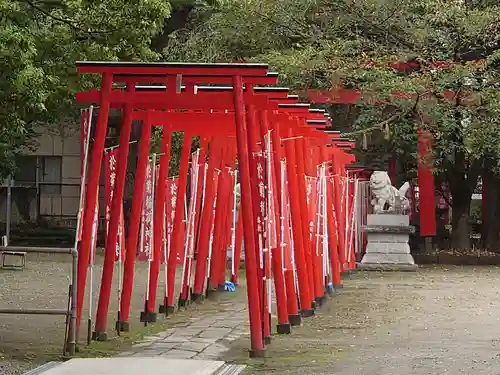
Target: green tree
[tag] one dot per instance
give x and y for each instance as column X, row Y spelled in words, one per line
column 40, row 40
column 453, row 47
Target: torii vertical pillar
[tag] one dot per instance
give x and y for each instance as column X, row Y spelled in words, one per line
column 256, row 337
column 426, row 189
column 91, row 193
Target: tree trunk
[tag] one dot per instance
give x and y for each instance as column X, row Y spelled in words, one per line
column 462, row 182
column 460, row 234
column 490, row 226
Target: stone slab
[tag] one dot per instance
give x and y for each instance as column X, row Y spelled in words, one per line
column 188, row 332
column 388, row 237
column 207, row 356
column 204, row 340
column 388, row 220
column 163, row 335
column 387, row 267
column 179, row 354
column 387, row 248
column 215, row 333
column 176, row 339
column 193, row 346
column 226, row 324
column 389, row 229
column 387, row 258
column 142, row 344
column 163, row 345
column 134, row 366
column 215, row 350
column 151, row 353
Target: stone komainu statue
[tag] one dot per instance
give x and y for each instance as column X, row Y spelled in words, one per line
column 386, row 197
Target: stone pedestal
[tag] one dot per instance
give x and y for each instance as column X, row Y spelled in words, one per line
column 388, row 249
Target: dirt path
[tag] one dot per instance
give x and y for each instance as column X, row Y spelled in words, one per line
column 436, row 321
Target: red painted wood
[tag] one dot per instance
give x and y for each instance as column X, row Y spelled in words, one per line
column 116, row 211
column 166, row 68
column 133, row 233
column 91, row 197
column 256, row 337
column 426, row 191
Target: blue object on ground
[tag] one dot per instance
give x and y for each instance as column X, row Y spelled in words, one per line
column 229, row 287
column 330, row 286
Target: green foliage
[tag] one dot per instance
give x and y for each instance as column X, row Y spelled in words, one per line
column 312, row 43
column 354, row 44
column 329, row 43
column 39, row 44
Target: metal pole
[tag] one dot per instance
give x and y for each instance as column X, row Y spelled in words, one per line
column 72, row 332
column 33, row 312
column 38, row 250
column 233, row 229
column 9, row 211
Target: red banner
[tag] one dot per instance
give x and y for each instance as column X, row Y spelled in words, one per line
column 95, row 225
column 110, row 160
column 216, row 188
column 190, row 220
column 84, row 130
column 287, row 238
column 272, row 217
column 85, row 126
column 312, row 203
column 172, row 187
column 146, row 247
column 260, row 160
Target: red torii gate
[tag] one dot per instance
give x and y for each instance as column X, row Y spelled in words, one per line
column 175, row 96
column 198, row 122
column 224, row 122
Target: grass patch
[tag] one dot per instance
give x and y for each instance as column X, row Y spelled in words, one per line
column 117, row 344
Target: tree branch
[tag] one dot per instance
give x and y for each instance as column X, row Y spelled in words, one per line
column 68, row 22
column 276, row 23
column 377, row 126
column 50, row 15
column 379, row 28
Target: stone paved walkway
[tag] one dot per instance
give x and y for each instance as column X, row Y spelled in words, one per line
column 205, row 337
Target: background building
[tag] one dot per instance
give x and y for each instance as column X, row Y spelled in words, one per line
column 46, row 187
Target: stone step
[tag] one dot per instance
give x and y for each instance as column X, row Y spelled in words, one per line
column 138, row 365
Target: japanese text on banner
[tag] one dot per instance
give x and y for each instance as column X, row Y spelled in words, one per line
column 110, row 159
column 147, row 216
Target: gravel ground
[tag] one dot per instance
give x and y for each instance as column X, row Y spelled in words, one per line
column 436, row 321
column 28, row 340
column 433, row 322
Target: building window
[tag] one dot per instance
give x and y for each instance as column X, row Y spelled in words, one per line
column 26, row 170
column 50, row 174
column 48, row 169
